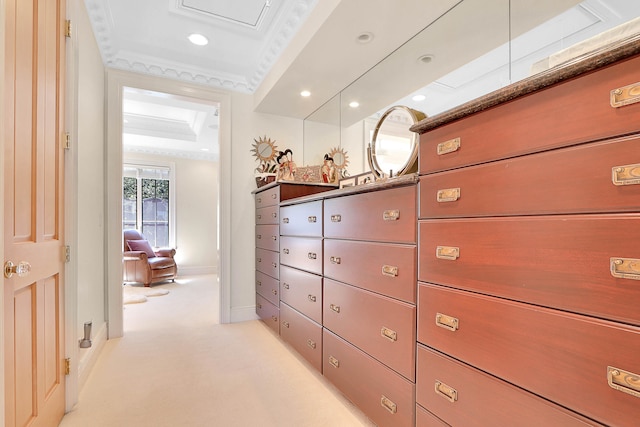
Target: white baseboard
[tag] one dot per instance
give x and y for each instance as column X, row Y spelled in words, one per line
column 196, row 271
column 243, row 314
column 88, row 357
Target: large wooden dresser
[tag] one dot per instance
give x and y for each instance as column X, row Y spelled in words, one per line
column 529, row 254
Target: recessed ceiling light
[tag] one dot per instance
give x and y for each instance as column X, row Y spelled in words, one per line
column 425, row 59
column 305, row 93
column 354, row 104
column 364, row 38
column 419, row 98
column 198, row 39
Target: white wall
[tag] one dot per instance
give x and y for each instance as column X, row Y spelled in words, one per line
column 196, row 193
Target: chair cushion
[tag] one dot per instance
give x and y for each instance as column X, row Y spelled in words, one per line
column 141, row 245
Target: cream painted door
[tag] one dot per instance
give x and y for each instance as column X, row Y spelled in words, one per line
column 34, row 371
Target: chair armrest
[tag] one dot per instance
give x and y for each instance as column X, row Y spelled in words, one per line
column 165, row 252
column 134, row 256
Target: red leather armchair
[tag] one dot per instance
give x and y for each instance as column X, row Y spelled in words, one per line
column 141, row 264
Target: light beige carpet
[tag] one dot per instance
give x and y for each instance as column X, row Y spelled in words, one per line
column 135, row 294
column 176, row 367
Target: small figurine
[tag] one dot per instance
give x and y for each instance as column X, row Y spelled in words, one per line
column 329, row 173
column 286, row 167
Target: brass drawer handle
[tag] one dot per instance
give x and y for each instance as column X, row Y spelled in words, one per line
column 625, row 268
column 449, row 393
column 275, row 214
column 447, row 252
column 624, row 381
column 391, row 215
column 273, row 291
column 285, row 285
column 285, row 323
column 259, row 259
column 259, row 236
column 259, row 306
column 389, row 334
column 274, row 265
column 274, row 238
column 311, row 298
column 311, row 343
column 259, row 216
column 258, row 282
column 335, row 308
column 335, row 260
column 312, row 219
column 626, row 175
column 334, row 362
column 389, row 271
column 312, row 255
column 273, row 196
column 274, row 318
column 259, row 200
column 388, row 404
column 626, row 95
column 285, row 251
column 285, row 220
column 336, row 218
column 448, row 146
column 447, row 322
column 448, row 195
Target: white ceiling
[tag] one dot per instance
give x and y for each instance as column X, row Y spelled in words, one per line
column 275, row 48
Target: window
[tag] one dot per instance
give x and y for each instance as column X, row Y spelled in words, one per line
column 147, row 202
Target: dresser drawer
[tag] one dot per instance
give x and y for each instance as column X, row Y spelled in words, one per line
column 267, row 262
column 384, row 216
column 304, row 335
column 571, row 112
column 269, row 197
column 267, row 215
column 302, row 291
column 304, row 219
column 302, row 252
column 425, row 418
column 268, row 313
column 268, row 287
column 268, row 237
column 464, row 396
column 570, row 180
column 385, row 397
column 566, row 262
column 560, row 356
column 380, row 326
column 384, row 268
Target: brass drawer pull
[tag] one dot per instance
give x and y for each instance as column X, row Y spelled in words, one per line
column 274, row 238
column 274, row 318
column 445, row 391
column 336, row 218
column 285, row 220
column 312, row 219
column 258, row 282
column 259, row 259
column 275, row 265
column 447, row 322
column 259, row 216
column 626, row 175
column 625, row 268
column 624, row 381
column 448, row 195
column 259, row 306
column 448, row 146
column 311, row 298
column 388, row 404
column 389, row 334
column 312, row 255
column 389, row 271
column 447, row 252
column 259, row 236
column 275, row 214
column 334, row 362
column 259, row 200
column 285, row 251
column 285, row 285
column 626, row 95
column 335, row 308
column 335, row 260
column 273, row 291
column 273, row 196
column 311, row 343
column 391, row 215
column 285, row 323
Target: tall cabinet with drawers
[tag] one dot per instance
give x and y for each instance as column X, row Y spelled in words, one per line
column 529, row 255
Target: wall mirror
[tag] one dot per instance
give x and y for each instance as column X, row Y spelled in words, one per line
column 447, row 64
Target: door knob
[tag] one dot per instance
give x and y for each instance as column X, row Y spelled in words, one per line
column 21, row 269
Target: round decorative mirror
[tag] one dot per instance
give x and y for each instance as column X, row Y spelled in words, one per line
column 393, row 150
column 264, row 149
column 340, row 158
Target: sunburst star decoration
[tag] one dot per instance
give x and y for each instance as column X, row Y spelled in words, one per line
column 265, row 152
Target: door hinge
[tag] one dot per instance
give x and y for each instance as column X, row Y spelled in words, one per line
column 67, row 141
column 67, row 366
column 67, row 253
column 67, row 28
